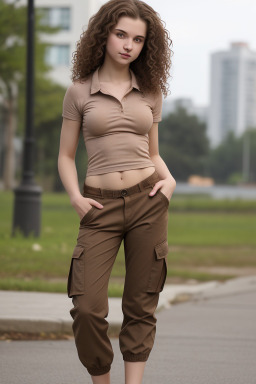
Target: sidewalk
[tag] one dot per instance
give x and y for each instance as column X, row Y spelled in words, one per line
column 37, row 312
column 210, row 339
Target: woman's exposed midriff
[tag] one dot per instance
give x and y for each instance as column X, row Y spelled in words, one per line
column 119, row 180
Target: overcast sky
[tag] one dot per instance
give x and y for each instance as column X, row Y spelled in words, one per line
column 199, row 28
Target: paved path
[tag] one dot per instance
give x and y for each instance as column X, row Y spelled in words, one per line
column 49, row 312
column 209, row 340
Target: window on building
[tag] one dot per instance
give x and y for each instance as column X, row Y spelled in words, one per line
column 57, row 55
column 56, row 17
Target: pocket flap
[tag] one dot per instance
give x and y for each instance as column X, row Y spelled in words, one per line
column 78, row 251
column 162, row 250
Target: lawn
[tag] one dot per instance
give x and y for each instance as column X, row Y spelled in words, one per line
column 207, row 240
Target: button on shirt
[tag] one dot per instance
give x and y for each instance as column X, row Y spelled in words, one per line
column 115, row 131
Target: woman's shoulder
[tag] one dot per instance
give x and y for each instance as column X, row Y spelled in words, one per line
column 153, row 97
column 79, row 88
column 76, row 96
column 80, row 84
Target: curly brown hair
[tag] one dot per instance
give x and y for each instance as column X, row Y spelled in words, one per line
column 153, row 64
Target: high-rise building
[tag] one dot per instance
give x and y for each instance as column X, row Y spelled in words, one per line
column 232, row 92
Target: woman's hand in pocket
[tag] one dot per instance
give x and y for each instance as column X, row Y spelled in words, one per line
column 83, row 204
column 166, row 186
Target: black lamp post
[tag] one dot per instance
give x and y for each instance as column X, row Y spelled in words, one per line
column 27, row 206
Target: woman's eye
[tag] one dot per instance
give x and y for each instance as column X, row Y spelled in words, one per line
column 120, row 34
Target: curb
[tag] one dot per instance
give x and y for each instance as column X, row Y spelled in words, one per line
column 28, row 312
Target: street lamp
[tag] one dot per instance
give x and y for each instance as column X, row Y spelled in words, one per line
column 27, row 205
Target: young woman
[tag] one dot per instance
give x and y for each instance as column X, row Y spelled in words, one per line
column 120, row 72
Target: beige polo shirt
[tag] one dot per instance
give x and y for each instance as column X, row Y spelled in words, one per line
column 115, row 131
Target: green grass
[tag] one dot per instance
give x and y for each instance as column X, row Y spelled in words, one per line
column 203, row 203
column 23, row 284
column 212, row 229
column 203, row 234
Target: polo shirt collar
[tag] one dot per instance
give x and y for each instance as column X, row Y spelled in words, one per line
column 95, row 86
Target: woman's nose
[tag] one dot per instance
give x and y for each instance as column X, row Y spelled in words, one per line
column 128, row 44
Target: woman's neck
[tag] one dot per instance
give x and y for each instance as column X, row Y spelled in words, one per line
column 114, row 74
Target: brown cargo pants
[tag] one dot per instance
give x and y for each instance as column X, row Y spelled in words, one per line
column 141, row 221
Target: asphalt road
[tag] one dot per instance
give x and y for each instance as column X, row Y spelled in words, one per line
column 210, row 341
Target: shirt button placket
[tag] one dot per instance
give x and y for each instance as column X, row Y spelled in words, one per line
column 122, row 104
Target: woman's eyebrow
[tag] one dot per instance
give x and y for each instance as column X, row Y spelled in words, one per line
column 116, row 29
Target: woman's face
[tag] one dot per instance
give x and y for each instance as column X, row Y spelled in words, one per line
column 126, row 40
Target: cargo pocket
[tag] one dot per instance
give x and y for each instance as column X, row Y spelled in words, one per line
column 158, row 271
column 75, row 284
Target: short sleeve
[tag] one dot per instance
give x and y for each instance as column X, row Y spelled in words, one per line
column 157, row 108
column 71, row 106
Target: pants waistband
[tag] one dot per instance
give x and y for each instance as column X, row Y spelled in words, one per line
column 142, row 185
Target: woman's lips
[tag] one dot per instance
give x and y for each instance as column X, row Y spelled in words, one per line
column 125, row 55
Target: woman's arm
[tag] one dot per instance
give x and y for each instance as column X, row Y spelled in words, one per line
column 168, row 183
column 67, row 168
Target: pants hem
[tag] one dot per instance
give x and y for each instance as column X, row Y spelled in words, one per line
column 128, row 356
column 98, row 371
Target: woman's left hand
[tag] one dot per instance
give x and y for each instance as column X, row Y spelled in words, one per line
column 166, row 186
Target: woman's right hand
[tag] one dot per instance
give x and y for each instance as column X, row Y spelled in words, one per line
column 83, row 204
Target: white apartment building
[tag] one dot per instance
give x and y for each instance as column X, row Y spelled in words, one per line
column 72, row 17
column 232, row 92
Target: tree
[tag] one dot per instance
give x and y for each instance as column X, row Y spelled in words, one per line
column 183, row 144
column 13, row 23
column 225, row 163
column 12, row 36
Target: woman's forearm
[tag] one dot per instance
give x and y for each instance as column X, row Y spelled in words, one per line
column 167, row 183
column 68, row 174
column 162, row 168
